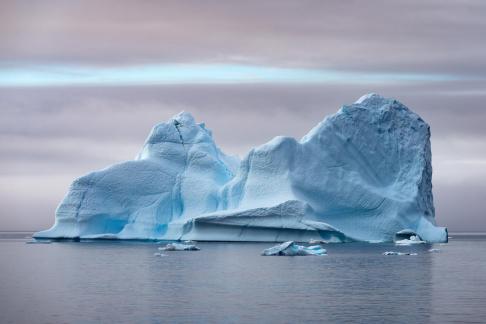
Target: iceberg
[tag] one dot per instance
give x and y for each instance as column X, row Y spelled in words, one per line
column 362, row 174
column 291, row 249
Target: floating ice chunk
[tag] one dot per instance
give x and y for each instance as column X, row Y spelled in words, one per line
column 434, row 250
column 398, row 253
column 291, row 249
column 160, row 254
column 179, row 247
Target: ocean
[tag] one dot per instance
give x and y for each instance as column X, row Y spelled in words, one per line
column 124, row 282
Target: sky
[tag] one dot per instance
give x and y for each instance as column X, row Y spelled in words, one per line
column 83, row 82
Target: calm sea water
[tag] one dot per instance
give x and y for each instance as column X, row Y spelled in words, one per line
column 113, row 282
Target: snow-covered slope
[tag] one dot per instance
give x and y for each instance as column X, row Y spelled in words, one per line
column 362, row 174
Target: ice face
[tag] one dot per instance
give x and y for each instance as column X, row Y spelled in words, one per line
column 362, row 174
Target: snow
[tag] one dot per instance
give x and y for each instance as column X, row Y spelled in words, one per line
column 362, row 174
column 291, row 249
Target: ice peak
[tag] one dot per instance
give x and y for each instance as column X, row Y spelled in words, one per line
column 373, row 101
column 371, row 98
column 184, row 118
column 181, row 128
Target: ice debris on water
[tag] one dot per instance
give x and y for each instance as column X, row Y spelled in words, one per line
column 434, row 250
column 179, row 247
column 291, row 249
column 398, row 253
column 160, row 254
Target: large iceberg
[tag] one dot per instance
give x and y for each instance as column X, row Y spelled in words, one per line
column 362, row 174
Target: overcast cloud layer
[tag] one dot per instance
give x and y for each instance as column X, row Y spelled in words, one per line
column 52, row 134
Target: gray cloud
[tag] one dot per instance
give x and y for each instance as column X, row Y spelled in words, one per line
column 445, row 36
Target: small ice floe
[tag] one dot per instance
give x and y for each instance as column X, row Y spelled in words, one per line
column 434, row 250
column 179, row 247
column 189, row 242
column 398, row 253
column 291, row 249
column 315, row 242
column 160, row 254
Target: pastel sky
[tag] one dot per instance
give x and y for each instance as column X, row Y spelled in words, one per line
column 82, row 83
